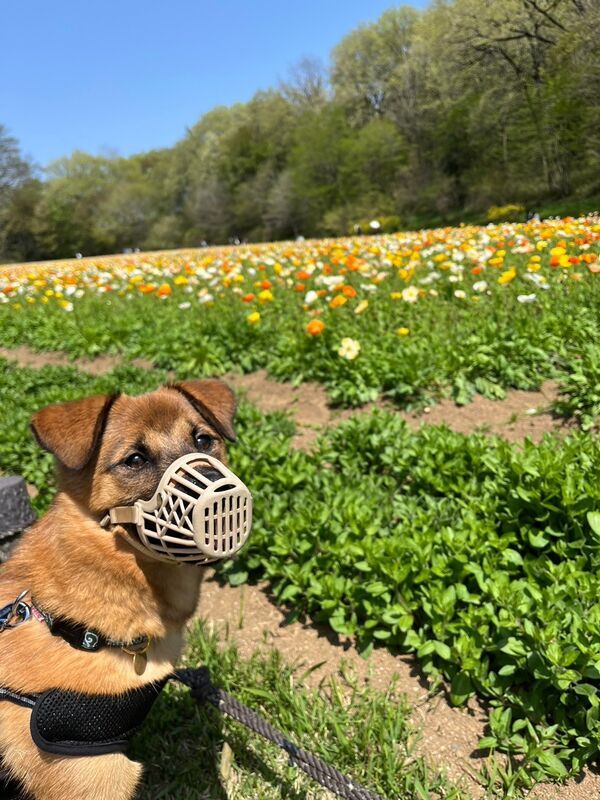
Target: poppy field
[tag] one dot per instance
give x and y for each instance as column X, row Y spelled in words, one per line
column 478, row 556
column 409, row 317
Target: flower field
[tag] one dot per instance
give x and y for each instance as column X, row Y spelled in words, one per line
column 410, row 317
column 479, row 556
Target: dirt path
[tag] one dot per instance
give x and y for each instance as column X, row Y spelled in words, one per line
column 245, row 615
column 520, row 414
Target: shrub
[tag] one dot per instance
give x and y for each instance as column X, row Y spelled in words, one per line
column 512, row 212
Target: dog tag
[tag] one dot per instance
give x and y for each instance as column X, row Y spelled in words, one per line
column 139, row 662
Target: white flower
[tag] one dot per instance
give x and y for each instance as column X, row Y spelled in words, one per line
column 67, row 306
column 480, row 286
column 349, row 348
column 331, row 281
column 538, row 279
column 206, row 298
column 183, row 306
column 375, row 224
column 310, row 297
column 410, row 294
column 460, row 294
column 526, row 298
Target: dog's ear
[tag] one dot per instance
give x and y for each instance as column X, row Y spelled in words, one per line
column 214, row 400
column 71, row 431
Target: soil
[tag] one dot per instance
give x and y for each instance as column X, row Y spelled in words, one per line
column 518, row 415
column 248, row 616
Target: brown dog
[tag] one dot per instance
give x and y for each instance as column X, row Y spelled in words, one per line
column 110, row 451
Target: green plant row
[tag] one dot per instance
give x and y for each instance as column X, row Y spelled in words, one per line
column 452, row 347
column 481, row 557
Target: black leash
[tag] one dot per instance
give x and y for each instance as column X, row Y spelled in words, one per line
column 198, row 679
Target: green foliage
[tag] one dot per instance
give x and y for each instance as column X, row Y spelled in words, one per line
column 480, row 557
column 580, row 389
column 512, row 212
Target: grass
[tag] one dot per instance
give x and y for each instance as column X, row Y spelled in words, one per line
column 364, row 733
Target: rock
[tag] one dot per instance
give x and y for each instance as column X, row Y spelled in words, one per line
column 16, row 512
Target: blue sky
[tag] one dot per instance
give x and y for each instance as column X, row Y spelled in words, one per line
column 129, row 76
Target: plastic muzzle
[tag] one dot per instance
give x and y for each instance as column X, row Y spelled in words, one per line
column 200, row 512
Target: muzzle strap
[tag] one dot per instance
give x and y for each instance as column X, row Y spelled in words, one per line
column 123, row 515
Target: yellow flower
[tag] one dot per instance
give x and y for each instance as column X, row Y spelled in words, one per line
column 507, row 276
column 337, row 301
column 349, row 348
column 558, row 251
column 396, row 295
column 402, row 331
column 265, row 296
column 362, row 306
column 253, row 318
column 180, row 280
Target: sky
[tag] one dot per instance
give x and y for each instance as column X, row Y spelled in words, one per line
column 130, row 76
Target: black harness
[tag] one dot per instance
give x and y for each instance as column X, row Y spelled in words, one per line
column 73, row 724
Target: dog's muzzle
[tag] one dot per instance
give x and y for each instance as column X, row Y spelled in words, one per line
column 200, row 512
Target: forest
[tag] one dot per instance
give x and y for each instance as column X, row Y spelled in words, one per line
column 467, row 111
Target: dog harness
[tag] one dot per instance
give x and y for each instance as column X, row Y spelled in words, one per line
column 72, row 723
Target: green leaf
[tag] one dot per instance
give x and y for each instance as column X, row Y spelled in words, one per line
column 593, row 518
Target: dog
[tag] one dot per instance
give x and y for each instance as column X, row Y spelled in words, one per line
column 109, row 451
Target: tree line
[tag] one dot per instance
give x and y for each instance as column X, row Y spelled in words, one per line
column 420, row 118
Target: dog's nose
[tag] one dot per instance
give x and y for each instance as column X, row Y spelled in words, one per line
column 211, row 473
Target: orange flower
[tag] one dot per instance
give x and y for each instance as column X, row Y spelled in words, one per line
column 266, row 285
column 302, row 275
column 299, row 287
column 164, row 290
column 338, row 301
column 315, row 327
column 348, row 291
column 248, row 298
column 146, row 288
column 476, row 270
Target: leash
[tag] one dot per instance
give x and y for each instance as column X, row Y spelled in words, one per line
column 199, row 681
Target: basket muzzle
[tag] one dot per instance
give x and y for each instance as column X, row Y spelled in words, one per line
column 200, row 512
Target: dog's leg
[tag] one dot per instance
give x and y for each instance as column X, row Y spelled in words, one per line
column 51, row 777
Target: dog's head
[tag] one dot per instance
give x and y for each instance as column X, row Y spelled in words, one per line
column 113, row 450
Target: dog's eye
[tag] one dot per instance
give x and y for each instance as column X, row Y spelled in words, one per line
column 203, row 441
column 135, row 461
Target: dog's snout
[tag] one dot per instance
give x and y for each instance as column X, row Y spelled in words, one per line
column 210, row 473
